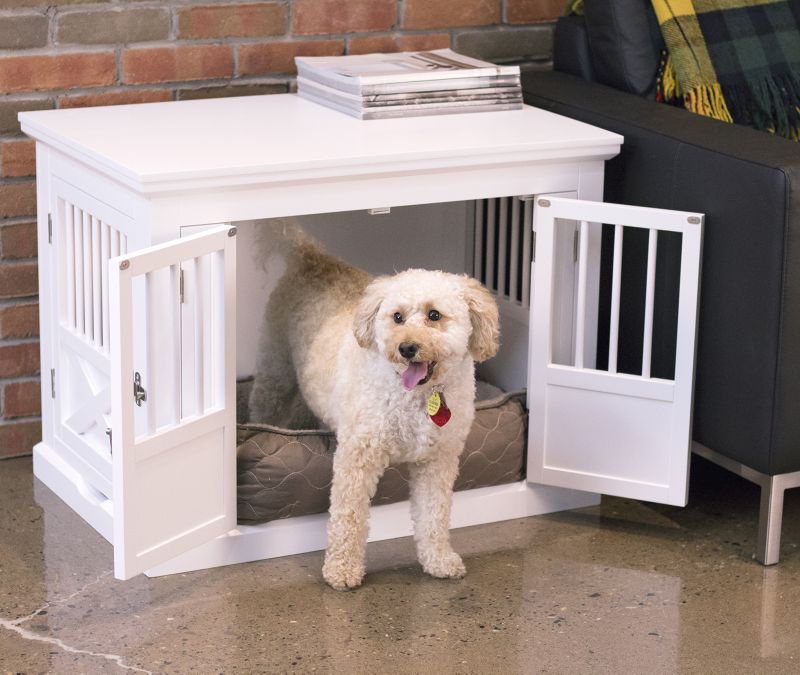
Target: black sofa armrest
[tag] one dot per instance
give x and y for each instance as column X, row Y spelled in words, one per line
column 748, row 184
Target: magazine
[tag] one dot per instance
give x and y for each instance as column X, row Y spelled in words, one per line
column 355, row 72
column 408, row 98
column 413, row 110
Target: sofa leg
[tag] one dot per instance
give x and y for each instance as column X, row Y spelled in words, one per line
column 770, row 517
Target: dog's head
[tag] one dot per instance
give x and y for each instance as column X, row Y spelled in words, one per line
column 424, row 322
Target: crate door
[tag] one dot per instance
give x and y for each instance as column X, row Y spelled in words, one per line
column 598, row 428
column 174, row 460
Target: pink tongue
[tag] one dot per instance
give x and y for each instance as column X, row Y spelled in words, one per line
column 416, row 371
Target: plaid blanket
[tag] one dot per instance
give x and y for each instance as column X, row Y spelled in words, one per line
column 734, row 60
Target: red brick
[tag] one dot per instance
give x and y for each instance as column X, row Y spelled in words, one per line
column 18, row 158
column 278, row 57
column 397, row 43
column 123, row 97
column 59, row 71
column 18, row 241
column 171, row 64
column 222, row 21
column 17, row 439
column 22, row 399
column 450, row 13
column 19, row 281
column 19, row 321
column 18, row 199
column 533, row 11
column 316, row 17
column 19, row 360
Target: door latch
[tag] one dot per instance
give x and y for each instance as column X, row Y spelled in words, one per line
column 139, row 394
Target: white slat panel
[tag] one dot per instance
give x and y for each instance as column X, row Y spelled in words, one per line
column 80, row 307
column 580, row 321
column 616, row 278
column 650, row 289
column 88, row 301
column 70, row 264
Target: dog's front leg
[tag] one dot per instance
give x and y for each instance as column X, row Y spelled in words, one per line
column 357, row 467
column 431, row 500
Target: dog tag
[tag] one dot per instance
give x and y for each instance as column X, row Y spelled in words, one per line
column 441, row 413
column 434, row 403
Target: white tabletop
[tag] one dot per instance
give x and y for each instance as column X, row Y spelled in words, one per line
column 255, row 136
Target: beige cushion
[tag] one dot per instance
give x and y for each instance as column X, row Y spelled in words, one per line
column 284, row 473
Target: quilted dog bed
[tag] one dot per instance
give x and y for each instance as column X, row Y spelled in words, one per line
column 284, row 473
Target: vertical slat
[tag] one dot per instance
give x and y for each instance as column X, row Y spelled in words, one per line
column 513, row 270
column 477, row 262
column 115, row 237
column 97, row 286
column 70, row 263
column 151, row 347
column 502, row 245
column 527, row 235
column 613, row 340
column 175, row 309
column 80, row 326
column 217, row 320
column 199, row 330
column 580, row 321
column 88, row 304
column 649, row 297
column 123, row 244
column 491, row 218
column 105, row 254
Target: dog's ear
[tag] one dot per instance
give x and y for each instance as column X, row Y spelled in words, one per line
column 484, row 341
column 364, row 319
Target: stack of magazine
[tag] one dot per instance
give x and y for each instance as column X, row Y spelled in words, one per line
column 405, row 84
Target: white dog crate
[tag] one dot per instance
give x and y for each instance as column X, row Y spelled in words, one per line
column 138, row 214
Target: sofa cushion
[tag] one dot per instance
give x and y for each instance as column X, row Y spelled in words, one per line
column 625, row 42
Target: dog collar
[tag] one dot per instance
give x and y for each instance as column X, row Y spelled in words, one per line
column 437, row 409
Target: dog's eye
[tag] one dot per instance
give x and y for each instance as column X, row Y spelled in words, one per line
column 398, row 318
column 434, row 315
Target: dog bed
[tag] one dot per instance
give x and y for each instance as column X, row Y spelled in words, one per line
column 282, row 473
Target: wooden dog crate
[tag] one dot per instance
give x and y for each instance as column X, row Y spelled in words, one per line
column 140, row 209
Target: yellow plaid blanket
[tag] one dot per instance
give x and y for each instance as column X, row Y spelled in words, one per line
column 734, row 60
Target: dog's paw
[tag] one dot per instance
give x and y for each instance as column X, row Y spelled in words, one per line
column 341, row 576
column 447, row 566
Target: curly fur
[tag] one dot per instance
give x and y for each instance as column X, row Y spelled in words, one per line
column 331, row 349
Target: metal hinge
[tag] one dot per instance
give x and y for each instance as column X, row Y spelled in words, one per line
column 52, row 383
column 379, row 211
column 180, row 283
column 139, row 393
column 49, row 228
column 533, row 246
column 110, row 444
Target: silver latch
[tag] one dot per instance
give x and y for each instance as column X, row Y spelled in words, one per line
column 139, row 394
column 379, row 211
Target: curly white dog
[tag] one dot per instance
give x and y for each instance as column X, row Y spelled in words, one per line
column 388, row 364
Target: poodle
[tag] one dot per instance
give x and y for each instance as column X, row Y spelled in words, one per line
column 388, row 364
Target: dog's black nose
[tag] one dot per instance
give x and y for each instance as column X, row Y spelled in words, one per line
column 408, row 350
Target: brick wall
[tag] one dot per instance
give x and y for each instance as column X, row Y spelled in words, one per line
column 68, row 53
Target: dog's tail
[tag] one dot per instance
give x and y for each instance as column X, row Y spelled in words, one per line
column 283, row 237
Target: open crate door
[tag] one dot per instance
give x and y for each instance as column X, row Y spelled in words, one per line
column 173, row 456
column 604, row 430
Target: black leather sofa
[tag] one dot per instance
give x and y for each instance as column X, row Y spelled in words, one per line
column 747, row 182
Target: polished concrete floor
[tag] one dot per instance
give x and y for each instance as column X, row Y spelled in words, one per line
column 625, row 587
